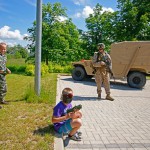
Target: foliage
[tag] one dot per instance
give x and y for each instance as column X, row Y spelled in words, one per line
column 133, row 20
column 99, row 25
column 56, row 68
column 60, row 39
column 16, row 65
column 66, row 56
column 63, row 43
column 129, row 23
column 44, row 69
column 51, row 68
column 20, row 67
column 17, row 69
column 17, row 51
column 17, row 55
column 30, row 70
column 67, row 69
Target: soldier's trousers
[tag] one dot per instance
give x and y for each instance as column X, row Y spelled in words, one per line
column 102, row 77
column 3, row 87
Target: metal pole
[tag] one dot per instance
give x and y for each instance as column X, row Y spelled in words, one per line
column 38, row 48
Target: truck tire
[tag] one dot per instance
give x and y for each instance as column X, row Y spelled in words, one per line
column 78, row 73
column 136, row 79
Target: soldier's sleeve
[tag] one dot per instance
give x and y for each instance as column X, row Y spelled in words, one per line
column 95, row 57
column 110, row 61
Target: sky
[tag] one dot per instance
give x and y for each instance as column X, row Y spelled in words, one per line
column 16, row 16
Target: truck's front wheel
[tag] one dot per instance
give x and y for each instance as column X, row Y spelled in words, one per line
column 78, row 73
column 136, row 79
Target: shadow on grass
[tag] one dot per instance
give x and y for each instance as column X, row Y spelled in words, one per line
column 45, row 130
column 17, row 100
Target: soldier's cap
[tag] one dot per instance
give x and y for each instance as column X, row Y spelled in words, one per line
column 101, row 45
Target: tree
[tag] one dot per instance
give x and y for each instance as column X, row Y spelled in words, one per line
column 133, row 20
column 58, row 37
column 130, row 22
column 17, row 51
column 99, row 25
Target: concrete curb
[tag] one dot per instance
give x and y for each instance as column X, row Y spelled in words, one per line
column 58, row 140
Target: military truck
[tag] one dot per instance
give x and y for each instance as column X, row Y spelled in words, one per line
column 130, row 62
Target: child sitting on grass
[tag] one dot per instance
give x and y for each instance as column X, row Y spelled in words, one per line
column 67, row 122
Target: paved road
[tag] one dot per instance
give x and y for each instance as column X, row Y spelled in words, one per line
column 123, row 124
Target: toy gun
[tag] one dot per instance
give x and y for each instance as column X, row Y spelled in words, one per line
column 73, row 109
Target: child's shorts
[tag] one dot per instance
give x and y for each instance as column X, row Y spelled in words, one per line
column 66, row 127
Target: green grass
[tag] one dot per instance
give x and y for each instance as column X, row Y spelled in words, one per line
column 16, row 62
column 27, row 126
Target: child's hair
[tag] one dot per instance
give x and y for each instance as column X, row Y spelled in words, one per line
column 67, row 95
column 2, row 44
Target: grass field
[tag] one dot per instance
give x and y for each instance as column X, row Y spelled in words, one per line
column 16, row 62
column 27, row 126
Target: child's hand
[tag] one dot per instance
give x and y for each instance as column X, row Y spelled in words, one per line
column 70, row 115
column 103, row 63
column 79, row 114
column 9, row 72
column 74, row 115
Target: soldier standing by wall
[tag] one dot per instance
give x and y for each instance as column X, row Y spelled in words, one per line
column 3, row 72
column 101, row 71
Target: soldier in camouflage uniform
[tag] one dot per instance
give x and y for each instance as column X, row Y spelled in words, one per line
column 101, row 71
column 3, row 72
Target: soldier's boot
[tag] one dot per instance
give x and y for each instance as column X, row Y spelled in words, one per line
column 99, row 96
column 108, row 97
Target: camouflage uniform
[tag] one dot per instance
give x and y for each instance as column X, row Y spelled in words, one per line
column 102, row 73
column 3, row 85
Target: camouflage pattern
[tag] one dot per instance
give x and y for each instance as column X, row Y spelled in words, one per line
column 101, row 45
column 101, row 74
column 102, row 77
column 3, row 85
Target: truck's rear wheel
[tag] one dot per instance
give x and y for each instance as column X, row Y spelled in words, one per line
column 136, row 79
column 78, row 73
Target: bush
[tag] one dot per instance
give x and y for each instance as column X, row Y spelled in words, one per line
column 17, row 69
column 44, row 69
column 19, row 66
column 13, row 68
column 21, row 69
column 17, row 55
column 55, row 68
column 9, row 56
column 30, row 70
column 67, row 69
column 51, row 67
column 58, row 69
